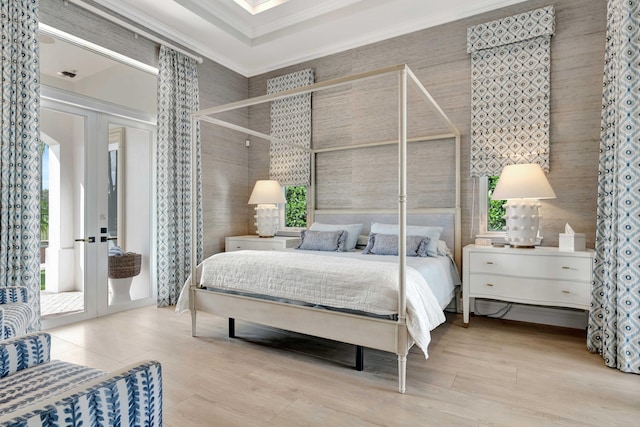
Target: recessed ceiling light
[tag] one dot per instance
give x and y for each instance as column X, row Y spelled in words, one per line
column 256, row 6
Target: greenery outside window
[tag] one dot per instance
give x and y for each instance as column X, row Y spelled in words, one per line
column 293, row 216
column 491, row 211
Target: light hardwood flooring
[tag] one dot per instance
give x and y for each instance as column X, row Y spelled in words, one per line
column 495, row 373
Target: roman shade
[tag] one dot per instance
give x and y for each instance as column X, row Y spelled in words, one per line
column 510, row 89
column 291, row 122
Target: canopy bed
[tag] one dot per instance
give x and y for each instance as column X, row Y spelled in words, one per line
column 392, row 331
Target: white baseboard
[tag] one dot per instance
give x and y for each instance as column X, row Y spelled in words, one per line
column 565, row 317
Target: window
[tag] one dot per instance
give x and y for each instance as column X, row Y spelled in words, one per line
column 293, row 216
column 491, row 211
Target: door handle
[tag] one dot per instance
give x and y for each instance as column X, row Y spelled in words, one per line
column 87, row 240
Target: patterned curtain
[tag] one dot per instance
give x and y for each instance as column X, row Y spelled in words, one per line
column 510, row 85
column 291, row 122
column 177, row 99
column 614, row 319
column 20, row 151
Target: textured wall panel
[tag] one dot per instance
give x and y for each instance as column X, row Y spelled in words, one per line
column 438, row 56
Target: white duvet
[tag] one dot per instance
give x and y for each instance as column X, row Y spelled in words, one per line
column 345, row 283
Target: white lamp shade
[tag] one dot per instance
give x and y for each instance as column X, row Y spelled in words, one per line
column 523, row 181
column 266, row 191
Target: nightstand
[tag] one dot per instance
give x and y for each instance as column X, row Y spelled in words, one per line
column 540, row 276
column 238, row 243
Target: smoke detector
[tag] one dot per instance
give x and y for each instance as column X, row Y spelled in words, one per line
column 68, row 74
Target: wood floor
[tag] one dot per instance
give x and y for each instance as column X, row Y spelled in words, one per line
column 496, row 373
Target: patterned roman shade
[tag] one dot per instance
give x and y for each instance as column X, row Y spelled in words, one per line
column 291, row 122
column 510, row 86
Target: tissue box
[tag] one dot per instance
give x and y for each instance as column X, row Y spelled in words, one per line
column 572, row 242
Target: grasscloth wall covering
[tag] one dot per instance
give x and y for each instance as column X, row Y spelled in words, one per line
column 510, row 84
column 291, row 122
column 439, row 58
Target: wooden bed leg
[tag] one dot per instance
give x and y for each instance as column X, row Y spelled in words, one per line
column 193, row 323
column 359, row 358
column 232, row 327
column 402, row 373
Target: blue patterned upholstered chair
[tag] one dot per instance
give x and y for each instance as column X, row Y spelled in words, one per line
column 15, row 313
column 37, row 391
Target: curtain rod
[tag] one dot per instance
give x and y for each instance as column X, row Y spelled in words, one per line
column 136, row 30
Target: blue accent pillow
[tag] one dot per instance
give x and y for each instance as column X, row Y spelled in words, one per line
column 432, row 233
column 387, row 244
column 333, row 241
column 353, row 231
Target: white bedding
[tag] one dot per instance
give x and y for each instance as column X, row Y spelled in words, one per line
column 347, row 281
column 439, row 272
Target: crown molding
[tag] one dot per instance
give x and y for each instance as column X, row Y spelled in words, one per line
column 172, row 34
column 287, row 27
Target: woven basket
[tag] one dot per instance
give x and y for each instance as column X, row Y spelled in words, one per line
column 127, row 265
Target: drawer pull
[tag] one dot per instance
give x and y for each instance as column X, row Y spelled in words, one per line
column 566, row 292
column 490, row 262
column 489, row 284
column 566, row 268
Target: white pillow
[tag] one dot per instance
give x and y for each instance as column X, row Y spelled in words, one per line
column 353, row 231
column 433, row 233
column 443, row 249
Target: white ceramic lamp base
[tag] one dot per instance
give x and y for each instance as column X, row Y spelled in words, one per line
column 267, row 220
column 522, row 222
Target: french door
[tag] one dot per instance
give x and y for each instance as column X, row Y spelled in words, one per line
column 97, row 191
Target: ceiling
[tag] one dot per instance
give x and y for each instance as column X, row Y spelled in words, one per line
column 58, row 56
column 293, row 31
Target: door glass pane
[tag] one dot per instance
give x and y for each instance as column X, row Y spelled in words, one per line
column 115, row 140
column 129, row 213
column 62, row 214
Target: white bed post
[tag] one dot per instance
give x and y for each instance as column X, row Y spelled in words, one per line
column 402, row 231
column 278, row 315
column 194, row 223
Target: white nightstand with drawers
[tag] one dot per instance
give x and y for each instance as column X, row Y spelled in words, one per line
column 540, row 276
column 256, row 243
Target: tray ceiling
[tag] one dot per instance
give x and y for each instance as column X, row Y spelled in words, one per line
column 255, row 36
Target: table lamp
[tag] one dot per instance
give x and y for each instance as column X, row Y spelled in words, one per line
column 522, row 186
column 266, row 194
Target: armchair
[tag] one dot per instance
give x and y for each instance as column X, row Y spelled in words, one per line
column 15, row 313
column 36, row 391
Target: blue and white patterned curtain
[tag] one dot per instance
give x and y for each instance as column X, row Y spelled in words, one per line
column 20, row 151
column 614, row 319
column 510, row 90
column 291, row 122
column 177, row 99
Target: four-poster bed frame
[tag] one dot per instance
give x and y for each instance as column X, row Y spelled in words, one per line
column 383, row 334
